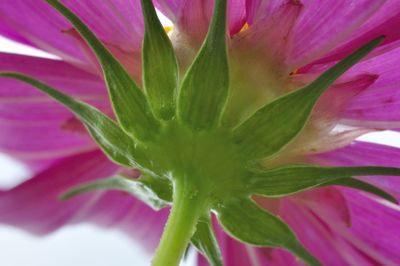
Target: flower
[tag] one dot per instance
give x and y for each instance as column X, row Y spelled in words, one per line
column 278, row 45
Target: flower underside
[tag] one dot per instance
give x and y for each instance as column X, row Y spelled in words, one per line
column 172, row 131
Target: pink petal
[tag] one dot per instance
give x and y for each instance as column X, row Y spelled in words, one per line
column 335, row 101
column 328, row 202
column 281, row 257
column 270, row 33
column 258, row 9
column 314, row 233
column 37, row 24
column 332, row 241
column 366, row 154
column 235, row 253
column 117, row 23
column 193, row 16
column 374, row 228
column 379, row 104
column 236, row 15
column 131, row 59
column 35, row 128
column 361, row 243
column 324, row 24
column 252, row 8
column 190, row 17
column 381, row 101
column 61, row 75
column 384, row 22
column 201, row 261
column 34, row 205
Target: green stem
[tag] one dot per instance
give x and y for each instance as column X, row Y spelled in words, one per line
column 188, row 206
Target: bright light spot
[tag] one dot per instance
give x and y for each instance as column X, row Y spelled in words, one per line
column 12, row 172
column 9, row 46
column 387, row 137
column 164, row 20
column 73, row 245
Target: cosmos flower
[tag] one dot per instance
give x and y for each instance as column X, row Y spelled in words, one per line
column 274, row 48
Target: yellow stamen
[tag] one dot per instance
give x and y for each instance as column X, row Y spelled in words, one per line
column 245, row 27
column 168, row 28
column 294, row 72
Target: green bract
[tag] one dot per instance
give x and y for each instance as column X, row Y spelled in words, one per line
column 137, row 187
column 291, row 179
column 160, row 69
column 172, row 133
column 205, row 87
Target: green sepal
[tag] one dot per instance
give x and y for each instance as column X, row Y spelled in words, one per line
column 135, row 187
column 247, row 222
column 115, row 143
column 273, row 126
column 204, row 90
column 363, row 186
column 160, row 67
column 205, row 242
column 130, row 105
column 291, row 179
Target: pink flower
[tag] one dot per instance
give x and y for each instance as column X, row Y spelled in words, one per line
column 278, row 45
